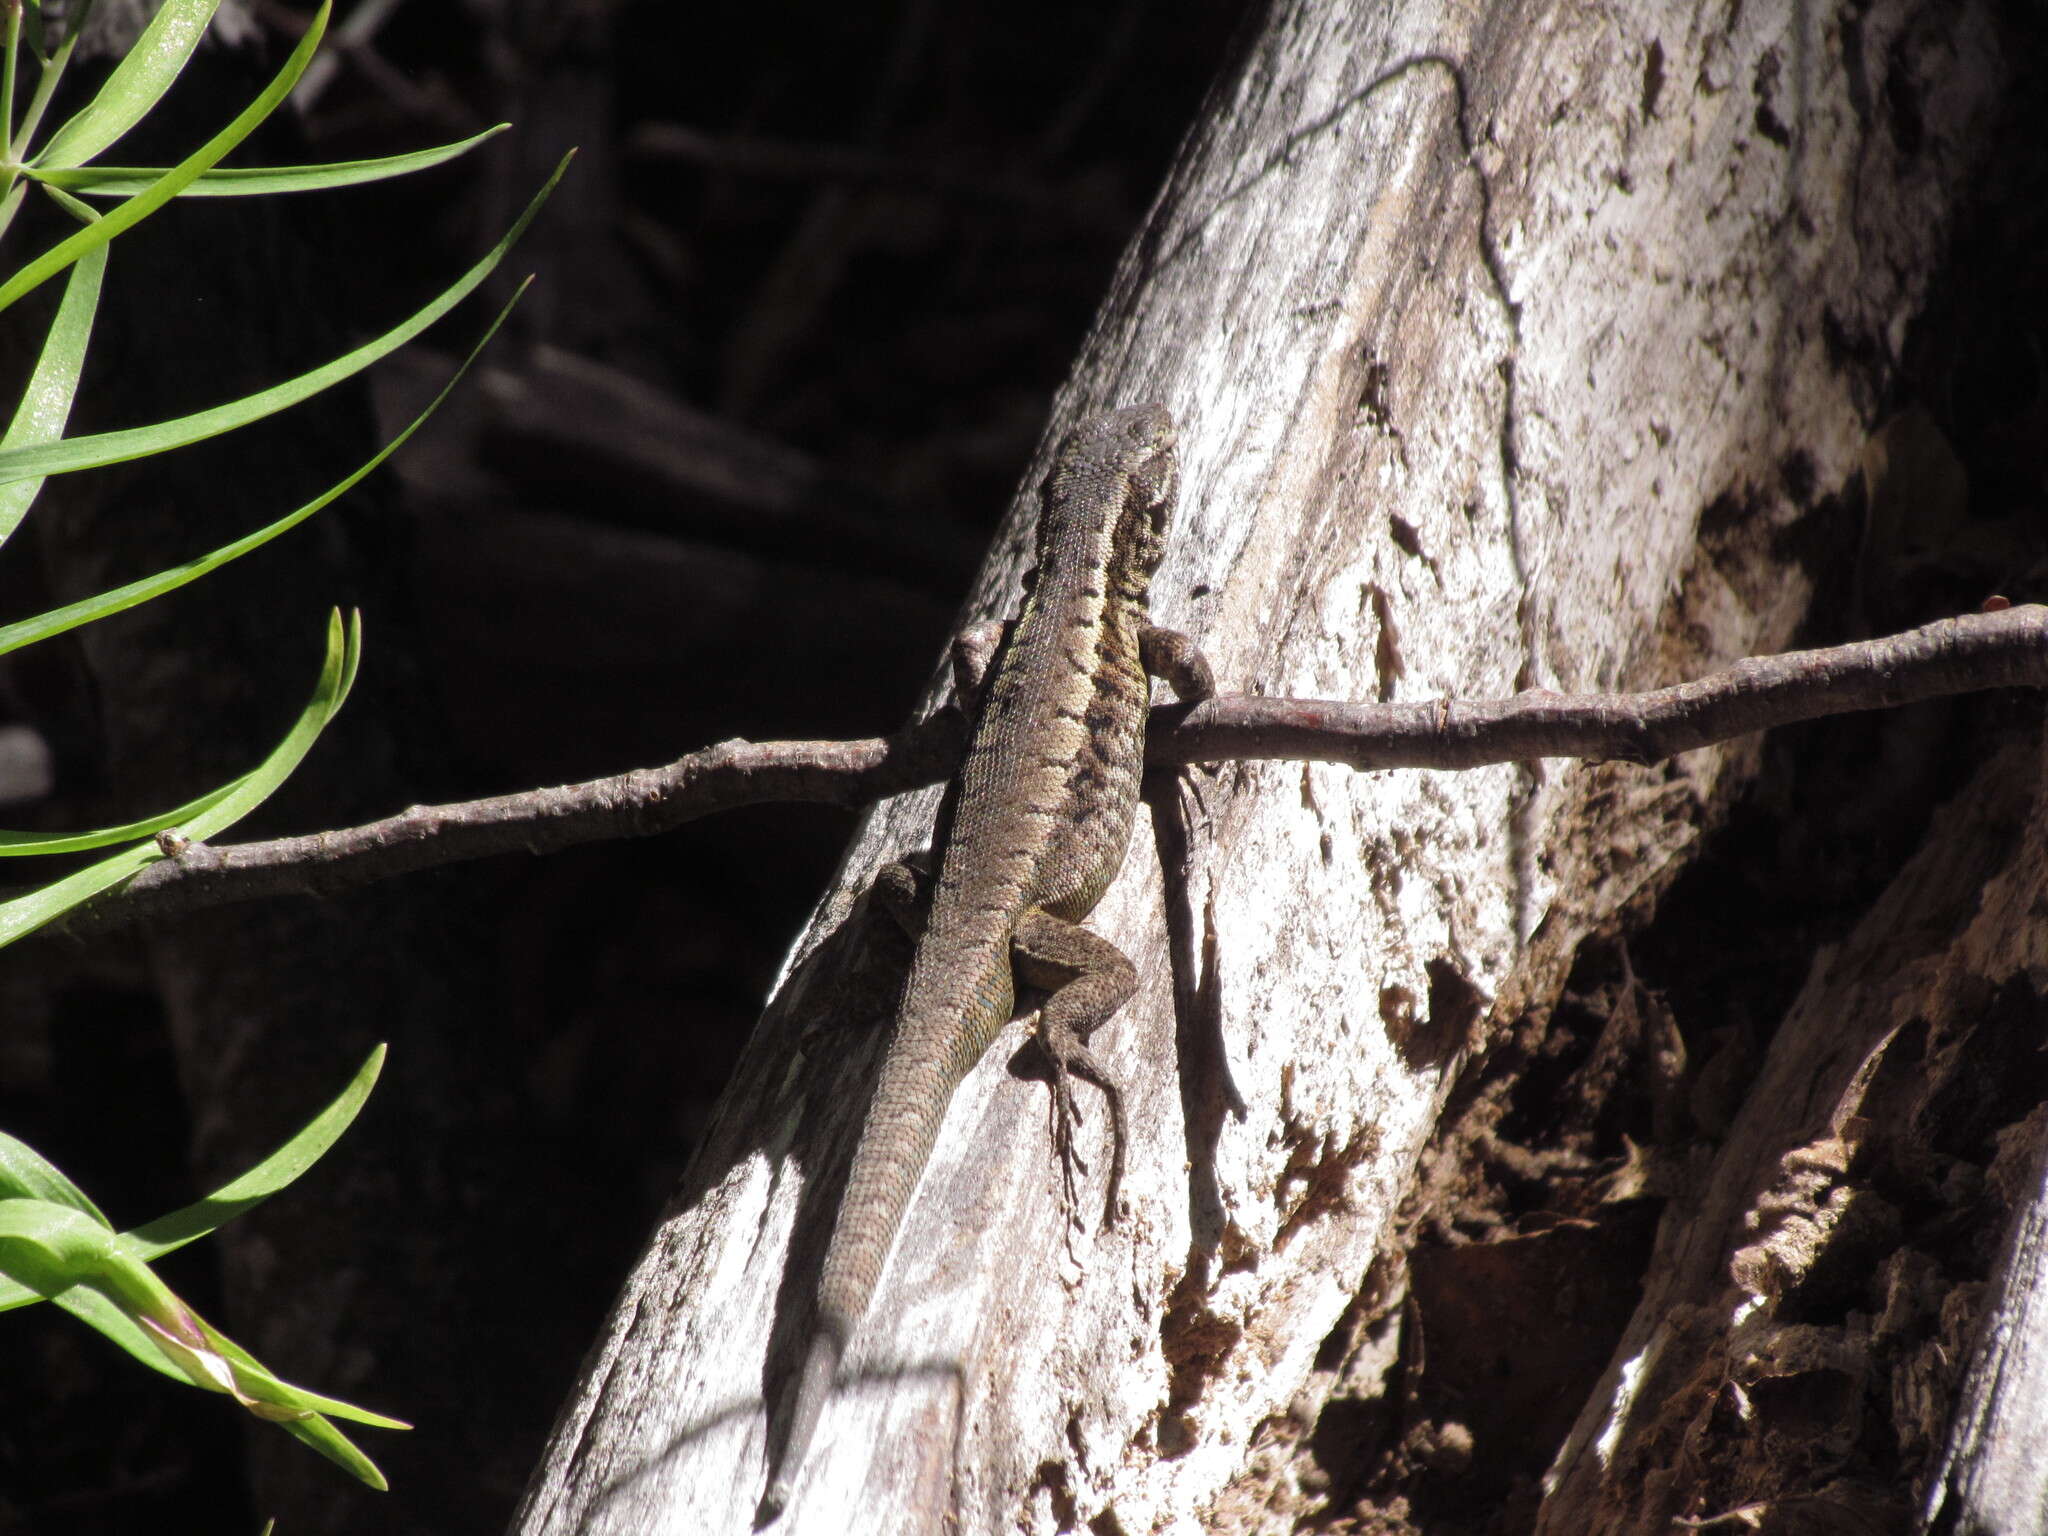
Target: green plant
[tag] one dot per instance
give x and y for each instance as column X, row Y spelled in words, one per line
column 55, row 1245
column 54, row 1242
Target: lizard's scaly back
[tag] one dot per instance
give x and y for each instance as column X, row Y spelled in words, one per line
column 1045, row 801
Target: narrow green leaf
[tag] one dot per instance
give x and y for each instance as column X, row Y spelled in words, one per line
column 57, row 1252
column 54, row 63
column 33, row 25
column 42, row 626
column 128, row 181
column 46, row 402
column 14, row 1294
column 7, row 75
column 95, row 1310
column 26, row 913
column 41, row 1246
column 99, row 1314
column 143, row 204
column 23, row 844
column 10, row 204
column 26, row 1174
column 102, row 1316
column 337, row 1448
column 51, row 1247
column 90, row 1307
column 136, row 84
column 180, row 1227
column 257, row 1380
column 134, row 442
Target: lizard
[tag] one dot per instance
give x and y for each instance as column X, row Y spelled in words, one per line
column 1030, row 833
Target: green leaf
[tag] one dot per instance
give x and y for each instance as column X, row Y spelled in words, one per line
column 101, row 1315
column 42, row 626
column 137, row 83
column 95, row 1310
column 255, row 1379
column 26, row 913
column 64, row 1263
column 7, row 72
column 53, row 64
column 58, row 1252
column 21, row 844
column 50, row 1247
column 168, row 186
column 337, row 1448
column 46, row 402
column 180, row 1227
column 33, row 26
column 134, row 442
column 128, row 181
column 27, row 1175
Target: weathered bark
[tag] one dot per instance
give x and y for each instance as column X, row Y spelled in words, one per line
column 1992, row 1476
column 1531, row 348
column 1899, row 1086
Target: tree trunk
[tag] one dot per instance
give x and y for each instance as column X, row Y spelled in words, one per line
column 1538, row 347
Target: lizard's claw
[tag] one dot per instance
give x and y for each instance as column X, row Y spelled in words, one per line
column 1072, row 1061
column 1066, row 1114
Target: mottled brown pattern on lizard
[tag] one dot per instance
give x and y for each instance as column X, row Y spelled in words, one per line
column 1032, row 832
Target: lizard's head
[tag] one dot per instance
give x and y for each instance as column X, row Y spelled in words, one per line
column 1112, row 489
column 1153, row 482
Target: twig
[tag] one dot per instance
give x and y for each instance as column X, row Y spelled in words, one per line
column 1963, row 655
column 2005, row 649
column 636, row 804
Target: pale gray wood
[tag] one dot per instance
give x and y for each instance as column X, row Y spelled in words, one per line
column 1461, row 351
column 1993, row 1479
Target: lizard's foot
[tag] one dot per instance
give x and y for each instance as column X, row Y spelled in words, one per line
column 1071, row 1058
column 1066, row 1114
column 1089, row 978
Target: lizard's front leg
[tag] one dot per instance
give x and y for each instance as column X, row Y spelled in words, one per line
column 902, row 892
column 972, row 654
column 1169, row 654
column 1089, row 979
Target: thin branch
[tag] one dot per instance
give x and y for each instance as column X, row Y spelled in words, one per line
column 2004, row 649
column 636, row 804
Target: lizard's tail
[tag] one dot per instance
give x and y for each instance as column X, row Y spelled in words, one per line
column 813, row 1387
column 903, row 1122
column 895, row 1144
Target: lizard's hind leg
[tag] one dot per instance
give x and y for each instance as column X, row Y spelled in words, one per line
column 1089, row 978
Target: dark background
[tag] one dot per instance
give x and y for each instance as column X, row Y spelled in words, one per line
column 802, row 302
